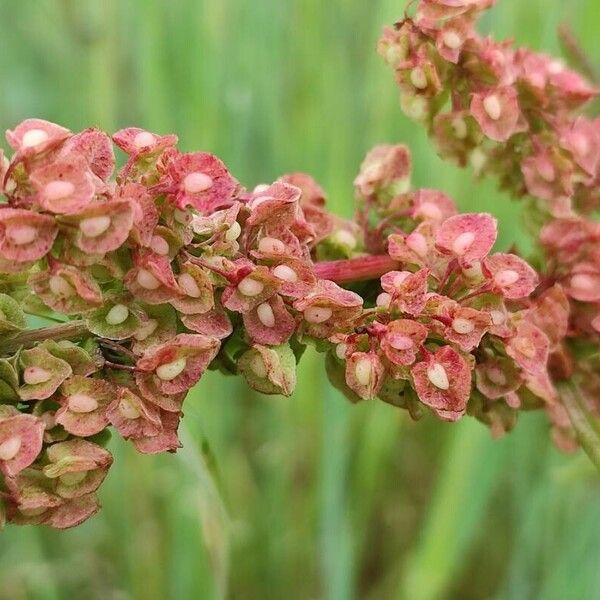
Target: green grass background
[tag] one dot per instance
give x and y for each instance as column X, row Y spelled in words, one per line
column 306, row 497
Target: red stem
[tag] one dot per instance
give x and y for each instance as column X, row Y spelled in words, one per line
column 362, row 268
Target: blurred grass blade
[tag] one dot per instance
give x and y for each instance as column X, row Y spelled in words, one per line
column 213, row 514
column 466, row 483
column 336, row 535
column 586, row 425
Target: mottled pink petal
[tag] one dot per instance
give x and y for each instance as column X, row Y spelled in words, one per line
column 529, row 347
column 84, row 402
column 511, row 276
column 178, row 364
column 165, row 441
column 201, row 180
column 402, row 341
column 269, row 323
column 498, row 114
column 97, row 149
column 64, row 186
column 34, row 136
column 104, row 226
column 443, row 382
column 469, row 237
column 67, row 290
column 25, row 235
column 20, row 442
column 42, row 373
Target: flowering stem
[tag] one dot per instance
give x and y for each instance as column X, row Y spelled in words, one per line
column 586, row 426
column 67, row 331
column 362, row 268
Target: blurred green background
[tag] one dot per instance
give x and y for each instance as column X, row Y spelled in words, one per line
column 306, row 497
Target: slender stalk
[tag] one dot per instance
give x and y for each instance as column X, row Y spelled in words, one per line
column 26, row 339
column 362, row 268
column 585, row 425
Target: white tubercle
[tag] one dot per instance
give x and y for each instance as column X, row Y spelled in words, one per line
column 430, row 210
column 345, row 238
column 21, row 234
column 394, row 55
column 233, row 233
column 478, row 159
column 506, row 277
column 496, row 376
column 546, row 171
column 58, row 190
column 265, row 314
column 452, row 39
column 33, row 137
column 401, row 342
column 10, row 448
column 492, row 107
column 250, row 287
column 285, row 273
column 82, row 403
column 189, row 286
column 260, row 188
column 414, row 107
column 257, row 364
column 147, row 280
column 143, row 139
column 498, row 317
column 438, row 376
column 197, row 182
column 383, row 300
column 60, row 286
column 146, row 330
column 270, row 245
column 159, row 245
column 418, row 78
column 463, row 242
column 460, row 128
column 36, row 375
column 340, row 350
column 417, row 243
column 74, row 478
column 317, row 314
column 128, row 410
column 117, row 314
column 463, row 326
column 92, row 227
column 583, row 282
column 168, row 371
column 363, row 371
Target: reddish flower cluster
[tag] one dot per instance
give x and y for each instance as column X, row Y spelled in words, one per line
column 449, row 308
column 156, row 268
column 517, row 115
column 172, row 268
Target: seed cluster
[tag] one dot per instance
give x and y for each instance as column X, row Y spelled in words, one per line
column 172, row 267
column 517, row 115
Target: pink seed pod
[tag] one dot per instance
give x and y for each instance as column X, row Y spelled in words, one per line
column 64, row 186
column 468, row 237
column 25, row 235
column 34, row 136
column 179, row 363
column 443, row 382
column 20, row 442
